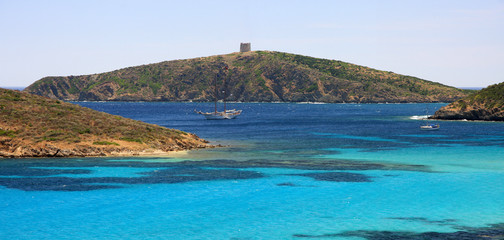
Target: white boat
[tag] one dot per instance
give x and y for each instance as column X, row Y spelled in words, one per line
column 430, row 127
column 228, row 114
column 216, row 115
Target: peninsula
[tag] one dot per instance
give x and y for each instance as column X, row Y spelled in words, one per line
column 35, row 126
column 253, row 76
column 484, row 105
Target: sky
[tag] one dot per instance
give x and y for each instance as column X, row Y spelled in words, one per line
column 458, row 43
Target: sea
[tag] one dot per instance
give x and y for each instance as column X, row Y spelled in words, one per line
column 284, row 171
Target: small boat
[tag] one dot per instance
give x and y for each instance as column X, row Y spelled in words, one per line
column 430, row 127
column 226, row 114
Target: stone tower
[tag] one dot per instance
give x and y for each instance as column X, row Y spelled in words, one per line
column 244, row 47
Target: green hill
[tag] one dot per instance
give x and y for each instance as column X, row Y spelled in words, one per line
column 35, row 126
column 261, row 76
column 486, row 104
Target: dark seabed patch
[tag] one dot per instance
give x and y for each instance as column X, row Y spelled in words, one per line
column 443, row 222
column 336, row 176
column 27, row 165
column 42, row 174
column 493, row 232
column 391, row 175
column 171, row 175
column 312, row 164
column 287, row 184
column 31, row 172
column 55, row 184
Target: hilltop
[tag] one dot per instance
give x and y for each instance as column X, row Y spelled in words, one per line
column 35, row 126
column 486, row 104
column 258, row 76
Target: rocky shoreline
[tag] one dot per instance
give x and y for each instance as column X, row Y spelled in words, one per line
column 17, row 149
column 484, row 105
column 470, row 115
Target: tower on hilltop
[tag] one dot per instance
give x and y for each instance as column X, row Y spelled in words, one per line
column 244, row 47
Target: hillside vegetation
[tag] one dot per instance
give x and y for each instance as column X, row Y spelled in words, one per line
column 34, row 126
column 261, row 76
column 486, row 104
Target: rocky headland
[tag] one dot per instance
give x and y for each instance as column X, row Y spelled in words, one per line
column 258, row 76
column 35, row 126
column 484, row 105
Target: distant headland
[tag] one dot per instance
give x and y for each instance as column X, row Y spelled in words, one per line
column 250, row 76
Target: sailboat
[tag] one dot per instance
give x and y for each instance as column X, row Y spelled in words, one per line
column 226, row 113
column 429, row 126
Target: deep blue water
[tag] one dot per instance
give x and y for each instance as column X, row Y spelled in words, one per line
column 290, row 171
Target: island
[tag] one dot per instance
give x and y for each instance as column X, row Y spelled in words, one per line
column 484, row 105
column 254, row 76
column 35, row 126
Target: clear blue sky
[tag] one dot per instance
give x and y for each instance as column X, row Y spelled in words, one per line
column 457, row 43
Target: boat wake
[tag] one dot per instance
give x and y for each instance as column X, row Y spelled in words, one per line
column 421, row 117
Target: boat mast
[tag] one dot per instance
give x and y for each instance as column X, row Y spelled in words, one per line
column 216, row 92
column 217, row 76
column 225, row 88
column 224, row 101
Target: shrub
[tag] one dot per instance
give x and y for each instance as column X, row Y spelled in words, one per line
column 128, row 139
column 83, row 131
column 105, row 143
column 7, row 133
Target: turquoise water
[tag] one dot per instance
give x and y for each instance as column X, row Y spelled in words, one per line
column 291, row 171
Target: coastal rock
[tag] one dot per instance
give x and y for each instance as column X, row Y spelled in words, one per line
column 494, row 114
column 485, row 105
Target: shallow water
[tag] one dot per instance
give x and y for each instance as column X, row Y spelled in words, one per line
column 291, row 171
